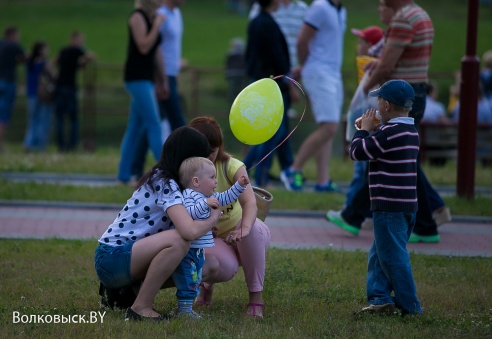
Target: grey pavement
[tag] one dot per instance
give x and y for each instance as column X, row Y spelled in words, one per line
column 464, row 236
column 292, row 230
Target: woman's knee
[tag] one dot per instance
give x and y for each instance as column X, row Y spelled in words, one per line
column 223, row 258
column 180, row 244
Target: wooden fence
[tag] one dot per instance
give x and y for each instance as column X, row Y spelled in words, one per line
column 104, row 102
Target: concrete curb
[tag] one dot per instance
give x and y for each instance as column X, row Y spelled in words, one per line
column 110, row 180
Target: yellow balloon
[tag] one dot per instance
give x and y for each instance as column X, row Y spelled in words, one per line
column 257, row 112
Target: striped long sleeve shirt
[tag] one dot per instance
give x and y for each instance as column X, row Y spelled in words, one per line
column 392, row 153
column 411, row 29
column 196, row 205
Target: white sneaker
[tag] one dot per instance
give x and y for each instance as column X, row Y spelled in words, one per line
column 442, row 215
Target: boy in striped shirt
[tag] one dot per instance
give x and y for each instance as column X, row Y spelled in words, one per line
column 198, row 176
column 392, row 152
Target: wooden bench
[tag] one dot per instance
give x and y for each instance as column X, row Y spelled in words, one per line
column 439, row 142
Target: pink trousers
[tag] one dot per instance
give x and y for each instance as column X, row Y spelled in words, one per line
column 250, row 253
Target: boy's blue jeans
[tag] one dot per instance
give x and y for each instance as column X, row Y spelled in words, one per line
column 188, row 275
column 389, row 269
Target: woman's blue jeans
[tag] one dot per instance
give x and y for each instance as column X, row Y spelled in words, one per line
column 284, row 151
column 38, row 124
column 170, row 109
column 389, row 269
column 143, row 121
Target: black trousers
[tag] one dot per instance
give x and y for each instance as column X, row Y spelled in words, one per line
column 425, row 224
column 355, row 213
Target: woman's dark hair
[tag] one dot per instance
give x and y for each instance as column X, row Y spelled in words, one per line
column 265, row 3
column 211, row 129
column 36, row 52
column 183, row 143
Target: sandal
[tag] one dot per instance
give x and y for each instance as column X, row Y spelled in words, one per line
column 256, row 310
column 205, row 296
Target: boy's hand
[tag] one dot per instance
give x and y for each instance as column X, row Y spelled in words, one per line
column 213, row 202
column 243, row 180
column 367, row 120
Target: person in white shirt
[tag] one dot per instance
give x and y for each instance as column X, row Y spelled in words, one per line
column 434, row 110
column 320, row 54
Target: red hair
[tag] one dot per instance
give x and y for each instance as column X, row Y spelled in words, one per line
column 209, row 127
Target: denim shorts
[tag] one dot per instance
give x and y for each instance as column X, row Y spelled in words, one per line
column 112, row 265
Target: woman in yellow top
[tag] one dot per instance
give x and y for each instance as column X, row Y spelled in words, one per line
column 242, row 239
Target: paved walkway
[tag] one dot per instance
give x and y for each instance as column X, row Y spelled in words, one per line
column 294, row 230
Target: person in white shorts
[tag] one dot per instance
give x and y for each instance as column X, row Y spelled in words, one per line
column 320, row 54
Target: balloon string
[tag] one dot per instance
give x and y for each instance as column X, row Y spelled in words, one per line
column 302, row 116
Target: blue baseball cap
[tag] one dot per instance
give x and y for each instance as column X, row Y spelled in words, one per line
column 398, row 92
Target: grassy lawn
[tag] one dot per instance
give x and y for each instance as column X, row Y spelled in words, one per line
column 309, row 294
column 209, row 26
column 105, row 161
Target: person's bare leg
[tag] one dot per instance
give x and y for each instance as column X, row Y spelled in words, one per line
column 312, row 144
column 307, row 149
column 155, row 258
column 255, row 298
column 209, row 273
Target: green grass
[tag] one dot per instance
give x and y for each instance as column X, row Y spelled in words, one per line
column 209, row 26
column 308, row 294
column 283, row 200
column 105, row 162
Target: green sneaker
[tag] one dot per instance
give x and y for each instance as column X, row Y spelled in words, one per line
column 414, row 238
column 292, row 180
column 336, row 218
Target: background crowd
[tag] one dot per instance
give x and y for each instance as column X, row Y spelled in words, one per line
column 51, row 89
